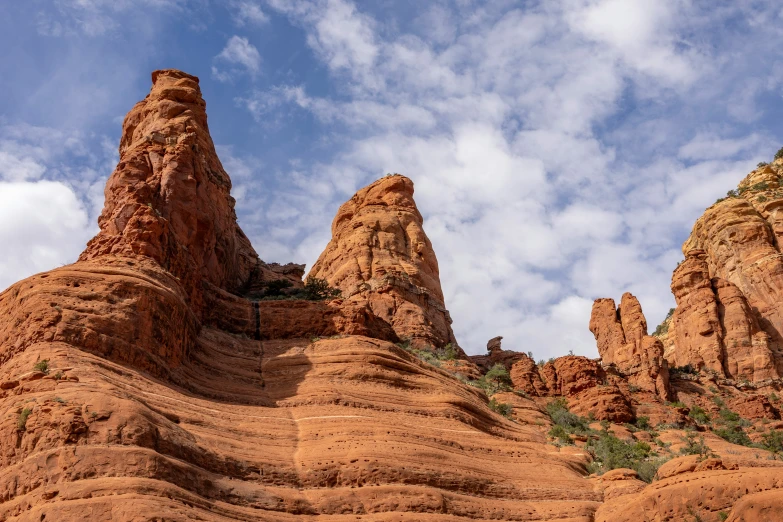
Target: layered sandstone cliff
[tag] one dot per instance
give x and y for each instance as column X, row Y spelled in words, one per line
column 729, row 317
column 147, row 381
column 151, row 380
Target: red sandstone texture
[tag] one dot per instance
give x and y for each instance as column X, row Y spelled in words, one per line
column 379, row 256
column 172, row 392
column 623, row 343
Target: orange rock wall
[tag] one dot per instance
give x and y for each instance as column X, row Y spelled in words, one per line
column 379, row 255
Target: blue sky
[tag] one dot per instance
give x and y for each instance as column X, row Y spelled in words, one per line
column 561, row 149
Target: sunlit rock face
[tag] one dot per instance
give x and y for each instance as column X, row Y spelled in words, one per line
column 147, row 381
column 380, row 255
column 623, row 343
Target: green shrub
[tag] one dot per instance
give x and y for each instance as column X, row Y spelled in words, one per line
column 643, row 423
column 734, row 434
column 676, row 404
column 762, row 164
column 318, row 289
column 722, row 515
column 773, row 441
column 610, row 453
column 694, row 446
column 502, row 408
column 447, row 353
column 275, row 288
column 632, row 388
column 664, row 326
column 21, row 422
column 559, row 433
column 42, row 366
column 686, row 370
column 732, row 427
column 561, row 416
column 495, row 380
column 699, row 415
column 779, row 154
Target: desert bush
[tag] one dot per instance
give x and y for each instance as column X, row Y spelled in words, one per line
column 42, row 366
column 686, row 370
column 643, row 423
column 275, row 288
column 664, row 326
column 21, row 422
column 772, row 441
column 699, row 415
column 610, row 453
column 695, row 446
column 560, row 434
column 316, row 289
column 502, row 408
column 731, row 428
column 559, row 413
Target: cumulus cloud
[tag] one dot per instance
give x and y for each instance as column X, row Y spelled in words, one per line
column 43, row 224
column 560, row 150
column 536, row 196
column 239, row 56
column 249, row 13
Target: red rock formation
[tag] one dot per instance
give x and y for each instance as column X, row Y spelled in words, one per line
column 379, row 255
column 169, row 395
column 169, row 197
column 623, row 342
column 735, row 246
column 714, row 327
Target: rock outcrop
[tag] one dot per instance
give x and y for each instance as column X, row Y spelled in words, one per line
column 379, row 255
column 156, row 379
column 729, row 316
column 623, row 343
column 714, row 327
column 147, row 382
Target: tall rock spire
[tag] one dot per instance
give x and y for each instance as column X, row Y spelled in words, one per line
column 169, row 198
column 621, row 336
column 380, row 255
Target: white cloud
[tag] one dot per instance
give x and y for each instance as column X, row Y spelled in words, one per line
column 248, row 12
column 240, row 56
column 43, row 224
column 495, row 115
column 95, row 18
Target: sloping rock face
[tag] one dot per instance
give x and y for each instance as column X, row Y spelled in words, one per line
column 621, row 334
column 379, row 255
column 141, row 383
column 729, row 317
column 714, row 327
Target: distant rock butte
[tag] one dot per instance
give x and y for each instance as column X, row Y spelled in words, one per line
column 172, row 391
column 380, row 256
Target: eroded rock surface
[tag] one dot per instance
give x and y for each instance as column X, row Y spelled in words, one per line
column 170, row 393
column 379, row 255
column 621, row 335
